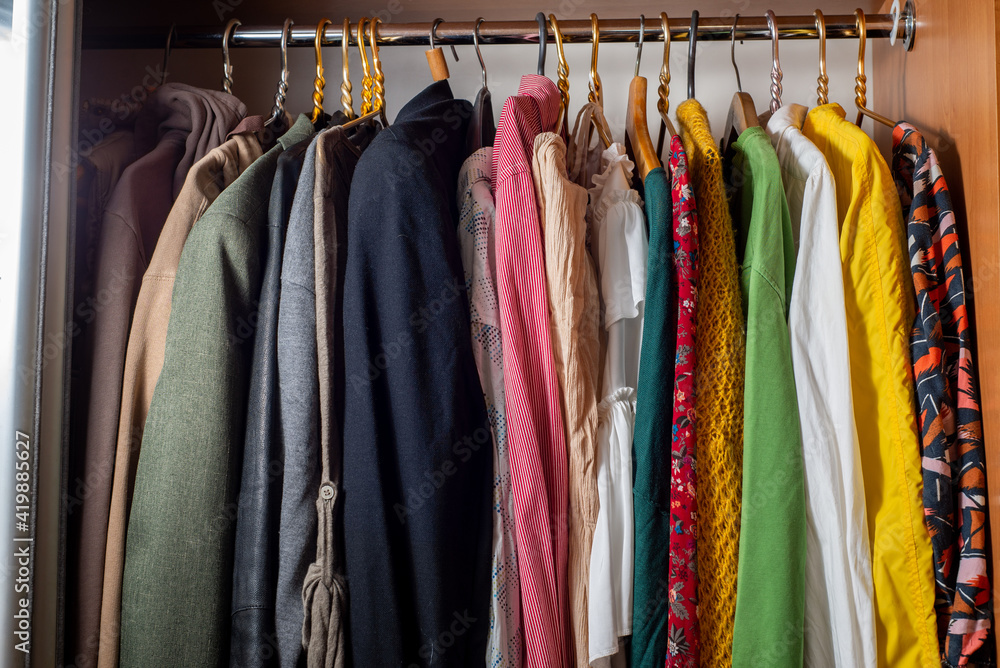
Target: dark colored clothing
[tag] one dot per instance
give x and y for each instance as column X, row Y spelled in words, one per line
column 417, row 456
column 177, row 593
column 653, row 425
column 255, row 565
column 482, row 128
column 950, row 418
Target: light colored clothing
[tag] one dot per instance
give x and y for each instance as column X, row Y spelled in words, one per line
column 839, row 596
column 476, row 232
column 620, row 248
column 574, row 308
column 531, row 387
column 719, row 405
column 878, row 293
column 144, row 358
column 770, row 586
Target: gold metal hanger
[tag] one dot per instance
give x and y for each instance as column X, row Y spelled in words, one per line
column 227, row 68
column 378, row 90
column 595, row 84
column 563, row 74
column 319, row 82
column 772, row 24
column 636, row 126
column 663, row 91
column 860, row 89
column 346, row 101
column 279, row 98
column 823, row 81
column 366, row 79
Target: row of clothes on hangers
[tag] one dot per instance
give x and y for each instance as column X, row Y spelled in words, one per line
column 452, row 393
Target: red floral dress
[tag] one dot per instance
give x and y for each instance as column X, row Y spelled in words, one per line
column 682, row 644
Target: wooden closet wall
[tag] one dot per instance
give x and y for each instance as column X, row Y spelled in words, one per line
column 946, row 86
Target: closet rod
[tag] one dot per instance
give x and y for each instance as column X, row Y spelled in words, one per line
column 491, row 32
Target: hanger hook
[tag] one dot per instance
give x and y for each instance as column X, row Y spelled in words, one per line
column 378, row 83
column 279, row 98
column 434, row 26
column 642, row 36
column 663, row 104
column 227, row 69
column 479, row 54
column 346, row 101
column 543, row 38
column 319, row 83
column 823, row 81
column 562, row 72
column 366, row 79
column 732, row 53
column 166, row 52
column 692, row 52
column 860, row 88
column 772, row 24
column 595, row 78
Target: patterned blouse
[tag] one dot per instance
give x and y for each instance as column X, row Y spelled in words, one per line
column 683, row 643
column 475, row 234
column 954, row 466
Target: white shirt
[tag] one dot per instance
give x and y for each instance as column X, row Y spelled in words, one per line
column 839, row 603
column 620, row 247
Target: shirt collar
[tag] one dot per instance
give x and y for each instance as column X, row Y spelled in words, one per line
column 789, row 115
column 546, row 96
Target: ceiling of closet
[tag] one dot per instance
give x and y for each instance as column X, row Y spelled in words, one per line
column 100, row 14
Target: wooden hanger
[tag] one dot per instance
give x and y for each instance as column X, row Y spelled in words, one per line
column 636, row 128
column 594, row 95
column 377, row 90
column 319, row 83
column 742, row 112
column 860, row 89
column 663, row 92
column 563, row 75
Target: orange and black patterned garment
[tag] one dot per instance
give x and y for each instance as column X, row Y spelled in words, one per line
column 954, row 468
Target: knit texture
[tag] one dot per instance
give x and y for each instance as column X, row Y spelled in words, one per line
column 720, row 350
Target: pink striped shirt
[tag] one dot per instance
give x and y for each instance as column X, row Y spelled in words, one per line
column 535, row 434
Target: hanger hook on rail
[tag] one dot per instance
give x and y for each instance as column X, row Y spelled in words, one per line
column 823, row 81
column 479, row 54
column 732, row 53
column 378, row 78
column 346, row 101
column 595, row 78
column 772, row 24
column 562, row 72
column 279, row 98
column 663, row 104
column 642, row 36
column 366, row 77
column 166, row 53
column 543, row 38
column 319, row 83
column 227, row 68
column 692, row 52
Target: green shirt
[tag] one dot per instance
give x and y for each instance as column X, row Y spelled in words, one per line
column 770, row 585
column 177, row 588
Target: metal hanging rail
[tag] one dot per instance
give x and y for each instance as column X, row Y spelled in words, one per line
column 498, row 32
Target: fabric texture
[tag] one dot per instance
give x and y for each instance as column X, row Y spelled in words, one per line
column 177, row 587
column 144, row 357
column 770, row 586
column 255, row 556
column 949, row 416
column 719, row 405
column 324, row 592
column 574, row 310
column 651, row 447
column 880, row 312
column 684, row 644
column 177, row 126
column 839, row 596
column 535, row 432
column 417, row 457
column 477, row 237
column 298, row 393
column 620, row 250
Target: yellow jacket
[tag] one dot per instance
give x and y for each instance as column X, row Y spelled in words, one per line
column 879, row 297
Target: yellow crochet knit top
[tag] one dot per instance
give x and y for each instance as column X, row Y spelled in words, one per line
column 720, row 349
